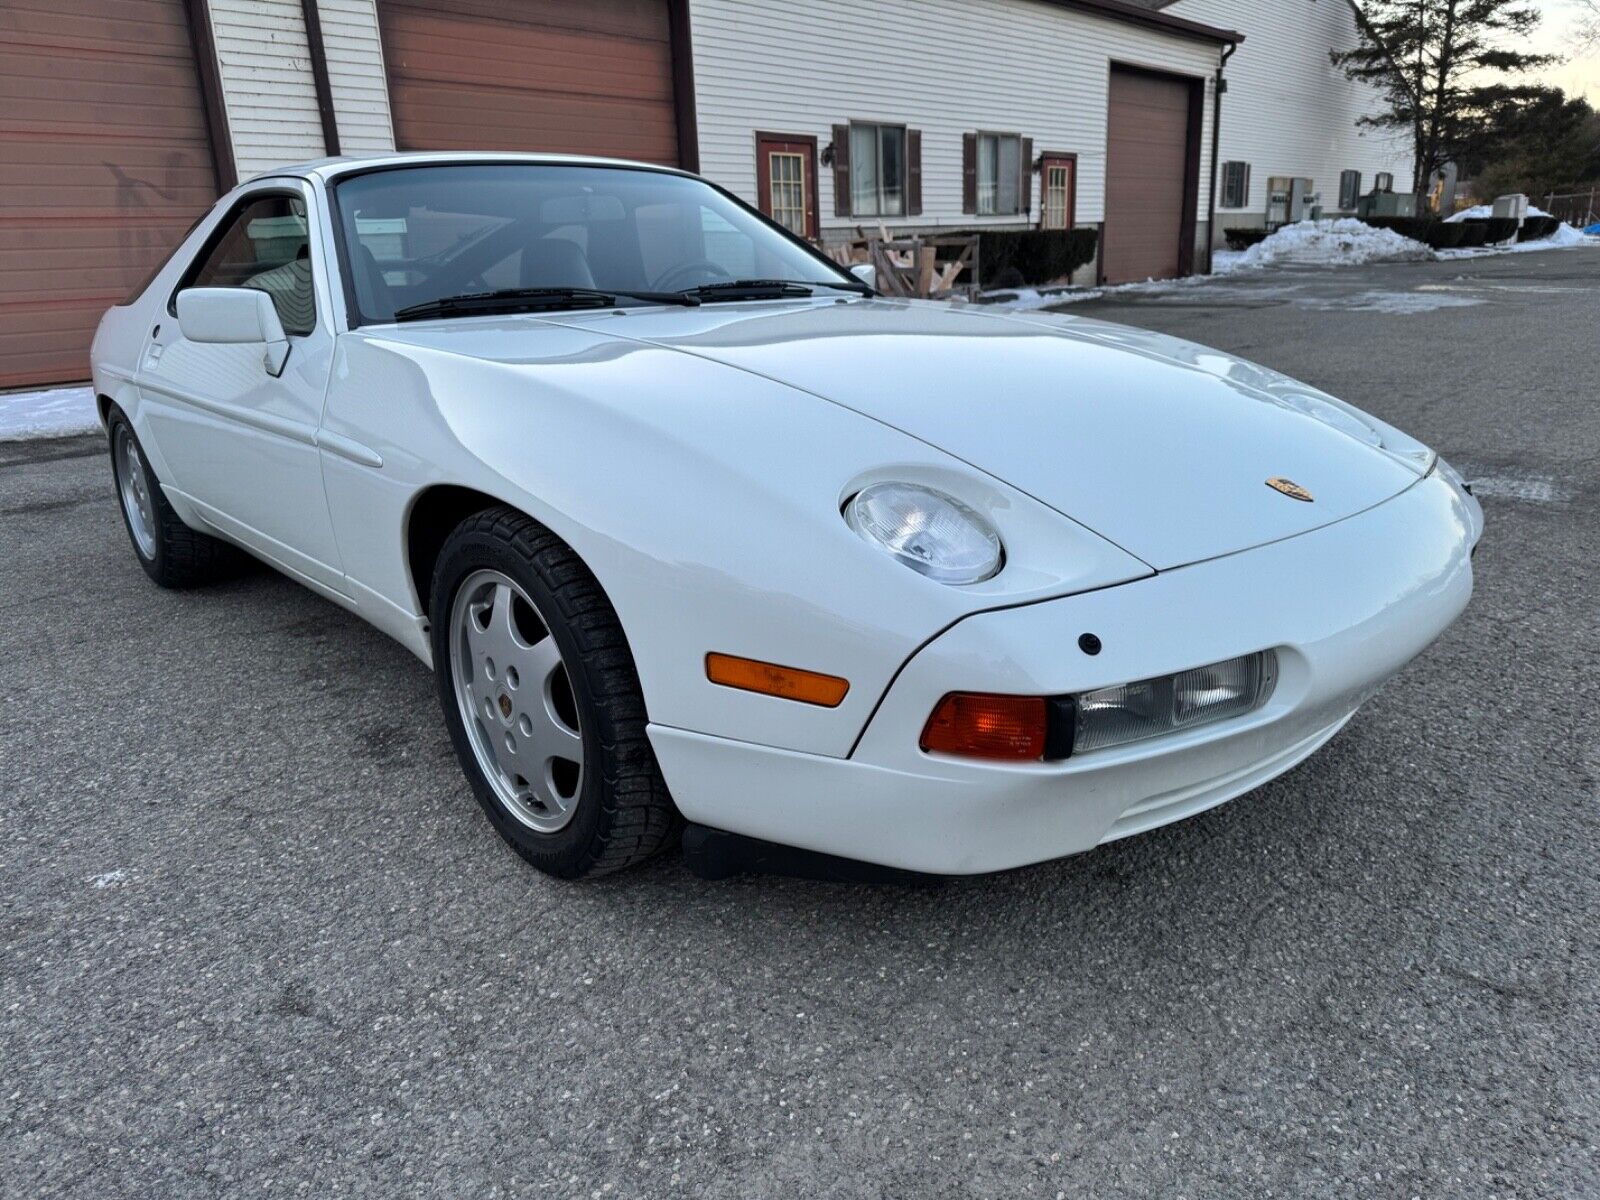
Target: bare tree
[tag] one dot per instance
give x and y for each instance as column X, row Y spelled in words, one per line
column 1586, row 30
column 1442, row 66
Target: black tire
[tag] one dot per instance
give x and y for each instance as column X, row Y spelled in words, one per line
column 623, row 813
column 178, row 557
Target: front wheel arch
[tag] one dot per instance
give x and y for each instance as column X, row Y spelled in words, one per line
column 434, row 515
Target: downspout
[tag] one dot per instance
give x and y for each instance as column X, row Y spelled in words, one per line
column 1217, row 88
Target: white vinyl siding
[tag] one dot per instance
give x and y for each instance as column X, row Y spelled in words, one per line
column 355, row 75
column 1288, row 110
column 265, row 68
column 945, row 67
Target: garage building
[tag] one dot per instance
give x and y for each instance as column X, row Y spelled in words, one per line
column 120, row 120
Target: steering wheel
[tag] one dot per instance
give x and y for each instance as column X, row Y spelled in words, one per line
column 693, row 273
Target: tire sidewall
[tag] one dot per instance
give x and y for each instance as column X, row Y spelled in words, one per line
column 154, row 565
column 568, row 851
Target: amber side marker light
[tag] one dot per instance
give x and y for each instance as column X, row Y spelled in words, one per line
column 787, row 683
column 974, row 725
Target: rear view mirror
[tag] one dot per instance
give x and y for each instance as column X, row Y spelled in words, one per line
column 580, row 209
column 866, row 273
column 234, row 316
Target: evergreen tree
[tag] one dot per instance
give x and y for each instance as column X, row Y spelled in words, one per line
column 1441, row 66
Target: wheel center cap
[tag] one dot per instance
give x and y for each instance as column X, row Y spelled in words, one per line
column 505, row 706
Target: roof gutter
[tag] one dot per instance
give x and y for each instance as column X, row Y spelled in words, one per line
column 1217, row 88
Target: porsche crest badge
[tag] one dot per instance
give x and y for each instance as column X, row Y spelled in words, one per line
column 1289, row 488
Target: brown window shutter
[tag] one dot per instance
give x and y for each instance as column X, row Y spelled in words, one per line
column 841, row 170
column 913, row 172
column 1025, row 184
column 969, row 172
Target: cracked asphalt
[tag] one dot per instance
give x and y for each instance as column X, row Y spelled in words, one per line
column 256, row 939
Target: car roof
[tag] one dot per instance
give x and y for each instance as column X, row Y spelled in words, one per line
column 330, row 168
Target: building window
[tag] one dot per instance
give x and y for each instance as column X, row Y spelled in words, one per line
column 1235, row 185
column 877, row 170
column 1349, row 189
column 999, row 174
column 1383, row 182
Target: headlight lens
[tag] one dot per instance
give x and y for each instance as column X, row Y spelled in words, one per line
column 934, row 534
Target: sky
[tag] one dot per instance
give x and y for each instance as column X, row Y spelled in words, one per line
column 1579, row 75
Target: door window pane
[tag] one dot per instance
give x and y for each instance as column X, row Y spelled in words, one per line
column 1057, row 185
column 788, row 190
column 267, row 247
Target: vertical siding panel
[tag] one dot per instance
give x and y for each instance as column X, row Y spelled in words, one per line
column 356, row 75
column 942, row 66
column 1288, row 110
column 265, row 67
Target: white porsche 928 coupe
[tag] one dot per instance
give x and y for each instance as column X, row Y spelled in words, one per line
column 694, row 527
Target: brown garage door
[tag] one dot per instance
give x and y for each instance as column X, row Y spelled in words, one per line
column 1150, row 172
column 567, row 76
column 105, row 161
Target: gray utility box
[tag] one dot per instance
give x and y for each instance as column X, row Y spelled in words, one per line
column 1387, row 204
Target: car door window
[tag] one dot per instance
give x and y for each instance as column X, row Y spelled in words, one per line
column 266, row 246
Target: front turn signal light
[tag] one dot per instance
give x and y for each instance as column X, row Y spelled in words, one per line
column 787, row 683
column 974, row 725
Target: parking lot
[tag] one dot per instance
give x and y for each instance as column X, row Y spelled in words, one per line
column 258, row 939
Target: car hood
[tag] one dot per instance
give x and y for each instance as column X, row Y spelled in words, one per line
column 1158, row 445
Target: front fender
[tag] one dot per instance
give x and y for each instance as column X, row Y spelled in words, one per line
column 704, row 499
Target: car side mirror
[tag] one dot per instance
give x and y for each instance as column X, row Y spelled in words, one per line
column 234, row 316
column 867, row 273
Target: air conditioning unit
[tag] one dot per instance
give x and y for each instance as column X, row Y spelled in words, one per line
column 1514, row 206
column 1289, row 199
column 1387, row 204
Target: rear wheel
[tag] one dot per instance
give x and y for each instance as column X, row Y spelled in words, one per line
column 171, row 553
column 542, row 699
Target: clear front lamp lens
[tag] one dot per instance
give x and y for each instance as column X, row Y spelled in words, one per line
column 1135, row 711
column 934, row 534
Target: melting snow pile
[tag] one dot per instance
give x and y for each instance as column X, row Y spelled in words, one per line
column 54, row 413
column 1342, row 243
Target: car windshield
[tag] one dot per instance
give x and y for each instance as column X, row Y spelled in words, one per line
column 416, row 236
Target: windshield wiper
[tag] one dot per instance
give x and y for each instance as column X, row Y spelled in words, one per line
column 770, row 289
column 532, row 300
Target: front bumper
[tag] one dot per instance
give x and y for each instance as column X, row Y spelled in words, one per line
column 1345, row 607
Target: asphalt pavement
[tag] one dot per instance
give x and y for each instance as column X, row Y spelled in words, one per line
column 256, row 938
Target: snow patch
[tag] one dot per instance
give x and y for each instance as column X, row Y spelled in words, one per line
column 1344, row 242
column 1031, row 299
column 55, row 412
column 110, row 879
column 1394, row 303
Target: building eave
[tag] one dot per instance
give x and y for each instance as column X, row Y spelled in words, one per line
column 1132, row 14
